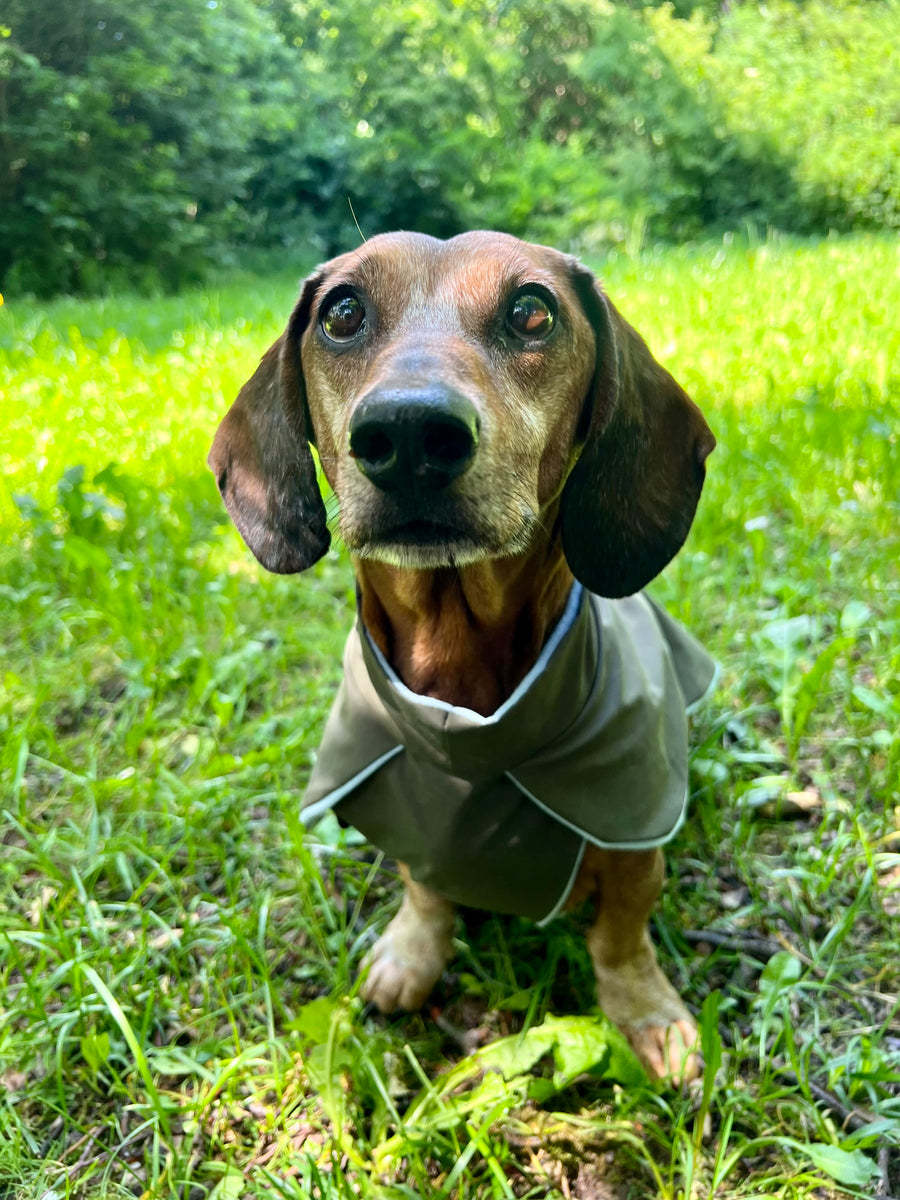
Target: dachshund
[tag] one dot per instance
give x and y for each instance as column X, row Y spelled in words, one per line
column 512, row 467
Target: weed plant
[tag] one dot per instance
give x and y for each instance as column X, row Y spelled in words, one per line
column 178, row 999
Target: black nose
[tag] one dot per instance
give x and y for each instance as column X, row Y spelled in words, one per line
column 414, row 438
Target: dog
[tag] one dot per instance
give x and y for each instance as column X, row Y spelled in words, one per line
column 512, row 467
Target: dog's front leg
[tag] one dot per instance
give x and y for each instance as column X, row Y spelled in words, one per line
column 409, row 957
column 631, row 988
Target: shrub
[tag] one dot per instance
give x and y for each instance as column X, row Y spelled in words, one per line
column 126, row 131
column 144, row 142
column 822, row 82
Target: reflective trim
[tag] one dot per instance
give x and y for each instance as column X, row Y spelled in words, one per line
column 648, row 844
column 312, row 811
column 713, row 684
column 563, row 625
column 561, row 902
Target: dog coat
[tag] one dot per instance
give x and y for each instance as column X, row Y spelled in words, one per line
column 495, row 812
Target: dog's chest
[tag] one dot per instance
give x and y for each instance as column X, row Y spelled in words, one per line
column 495, row 812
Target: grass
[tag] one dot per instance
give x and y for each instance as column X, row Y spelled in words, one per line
column 178, row 1007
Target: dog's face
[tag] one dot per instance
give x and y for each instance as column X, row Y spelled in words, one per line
column 444, row 384
column 461, row 395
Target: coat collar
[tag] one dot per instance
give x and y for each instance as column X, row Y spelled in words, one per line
column 463, row 742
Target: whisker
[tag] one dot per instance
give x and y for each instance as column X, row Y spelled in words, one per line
column 355, row 222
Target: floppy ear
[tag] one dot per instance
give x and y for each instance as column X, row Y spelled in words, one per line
column 262, row 462
column 630, row 499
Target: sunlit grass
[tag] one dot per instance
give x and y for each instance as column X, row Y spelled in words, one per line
column 177, row 962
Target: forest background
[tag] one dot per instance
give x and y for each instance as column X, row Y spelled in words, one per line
column 142, row 143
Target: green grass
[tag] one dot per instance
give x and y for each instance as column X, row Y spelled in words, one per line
column 178, row 1008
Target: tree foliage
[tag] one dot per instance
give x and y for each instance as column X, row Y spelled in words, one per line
column 125, row 130
column 145, row 141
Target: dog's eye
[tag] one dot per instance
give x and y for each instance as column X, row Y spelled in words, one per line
column 530, row 316
column 343, row 318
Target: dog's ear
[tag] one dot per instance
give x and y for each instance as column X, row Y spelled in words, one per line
column 262, row 462
column 630, row 499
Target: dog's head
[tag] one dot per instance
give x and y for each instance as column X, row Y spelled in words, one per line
column 462, row 394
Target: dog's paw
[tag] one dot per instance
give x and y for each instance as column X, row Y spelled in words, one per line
column 405, row 964
column 638, row 998
column 667, row 1050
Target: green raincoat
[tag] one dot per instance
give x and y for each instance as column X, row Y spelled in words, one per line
column 495, row 812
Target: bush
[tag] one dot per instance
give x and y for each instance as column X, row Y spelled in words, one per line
column 822, row 82
column 145, row 142
column 126, row 131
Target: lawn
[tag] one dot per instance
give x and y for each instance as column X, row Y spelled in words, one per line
column 178, row 999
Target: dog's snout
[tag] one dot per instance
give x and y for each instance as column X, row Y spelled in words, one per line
column 408, row 439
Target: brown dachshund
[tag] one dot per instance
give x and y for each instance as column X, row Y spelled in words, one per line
column 512, row 466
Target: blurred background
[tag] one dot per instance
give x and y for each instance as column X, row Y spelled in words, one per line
column 144, row 143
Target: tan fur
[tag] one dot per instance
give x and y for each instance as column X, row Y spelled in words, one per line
column 464, row 619
column 436, row 311
column 467, row 636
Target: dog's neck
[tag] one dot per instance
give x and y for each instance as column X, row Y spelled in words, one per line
column 465, row 635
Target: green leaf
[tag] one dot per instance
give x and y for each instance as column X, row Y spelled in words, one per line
column 875, row 702
column 810, row 686
column 854, row 615
column 508, row 1067
column 173, row 1060
column 710, row 1043
column 325, row 1065
column 515, row 1055
column 118, row 1015
column 779, row 975
column 85, row 554
column 845, row 1166
column 95, row 1050
column 578, row 1044
column 313, row 1020
column 592, row 1044
column 789, row 633
column 230, row 1186
column 710, row 1037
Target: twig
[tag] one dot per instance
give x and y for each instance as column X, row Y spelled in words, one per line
column 850, row 1118
column 884, row 1162
column 751, row 943
column 56, row 1126
column 86, row 1156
